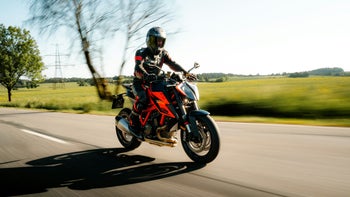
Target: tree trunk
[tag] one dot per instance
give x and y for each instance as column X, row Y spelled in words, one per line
column 100, row 83
column 9, row 94
column 120, row 78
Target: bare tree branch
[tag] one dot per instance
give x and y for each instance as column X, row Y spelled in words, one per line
column 93, row 21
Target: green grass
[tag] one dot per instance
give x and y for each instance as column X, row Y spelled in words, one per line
column 314, row 97
column 68, row 97
column 313, row 100
column 338, row 122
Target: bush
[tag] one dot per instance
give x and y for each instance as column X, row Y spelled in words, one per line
column 299, row 75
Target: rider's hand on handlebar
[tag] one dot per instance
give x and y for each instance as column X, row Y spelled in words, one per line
column 150, row 77
column 191, row 76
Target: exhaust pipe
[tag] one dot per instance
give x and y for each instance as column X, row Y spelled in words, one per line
column 122, row 124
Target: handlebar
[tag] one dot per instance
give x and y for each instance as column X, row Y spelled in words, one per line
column 175, row 76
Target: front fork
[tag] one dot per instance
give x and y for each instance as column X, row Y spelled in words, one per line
column 190, row 123
column 189, row 119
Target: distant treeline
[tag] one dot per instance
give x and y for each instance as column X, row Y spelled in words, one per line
column 336, row 71
column 86, row 81
column 220, row 77
column 214, row 77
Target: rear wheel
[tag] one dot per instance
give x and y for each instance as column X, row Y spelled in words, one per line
column 205, row 149
column 127, row 140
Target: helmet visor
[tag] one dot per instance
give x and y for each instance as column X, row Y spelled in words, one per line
column 160, row 42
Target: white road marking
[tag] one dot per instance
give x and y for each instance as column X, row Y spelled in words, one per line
column 45, row 136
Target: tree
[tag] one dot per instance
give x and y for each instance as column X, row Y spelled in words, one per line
column 299, row 75
column 19, row 56
column 92, row 21
column 336, row 71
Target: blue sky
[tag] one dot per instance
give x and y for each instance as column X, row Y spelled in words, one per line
column 230, row 36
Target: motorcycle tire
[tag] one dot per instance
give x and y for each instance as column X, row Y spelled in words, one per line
column 207, row 148
column 128, row 141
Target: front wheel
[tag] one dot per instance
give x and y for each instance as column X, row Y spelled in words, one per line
column 127, row 140
column 206, row 149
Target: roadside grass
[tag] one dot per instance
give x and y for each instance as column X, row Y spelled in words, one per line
column 313, row 100
column 69, row 98
column 314, row 97
column 336, row 122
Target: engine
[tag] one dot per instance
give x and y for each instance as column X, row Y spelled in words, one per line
column 165, row 132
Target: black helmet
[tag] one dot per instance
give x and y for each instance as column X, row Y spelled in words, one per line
column 155, row 40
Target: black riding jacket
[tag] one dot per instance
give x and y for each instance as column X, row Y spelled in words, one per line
column 145, row 62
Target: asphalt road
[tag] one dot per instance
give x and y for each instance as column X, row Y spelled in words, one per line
column 60, row 154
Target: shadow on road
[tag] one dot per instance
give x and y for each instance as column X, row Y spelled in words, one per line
column 84, row 170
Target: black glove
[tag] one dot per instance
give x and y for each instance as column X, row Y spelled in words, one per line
column 191, row 77
column 150, row 77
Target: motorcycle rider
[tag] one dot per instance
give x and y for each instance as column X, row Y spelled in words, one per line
column 147, row 63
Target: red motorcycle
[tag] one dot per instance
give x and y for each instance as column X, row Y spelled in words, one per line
column 172, row 107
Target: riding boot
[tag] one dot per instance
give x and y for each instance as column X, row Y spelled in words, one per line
column 135, row 125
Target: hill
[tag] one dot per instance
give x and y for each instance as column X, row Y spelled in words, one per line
column 336, row 71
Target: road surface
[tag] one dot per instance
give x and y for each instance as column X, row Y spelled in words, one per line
column 61, row 154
